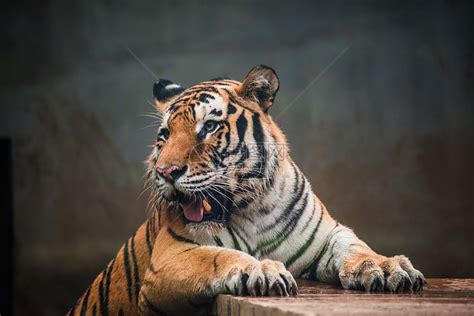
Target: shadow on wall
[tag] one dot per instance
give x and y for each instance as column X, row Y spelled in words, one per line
column 423, row 215
column 76, row 199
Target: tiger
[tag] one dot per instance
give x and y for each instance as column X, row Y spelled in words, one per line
column 232, row 213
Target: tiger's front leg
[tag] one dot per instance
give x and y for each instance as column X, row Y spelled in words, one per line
column 184, row 277
column 347, row 258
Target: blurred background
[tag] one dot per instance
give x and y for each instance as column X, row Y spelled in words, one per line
column 380, row 120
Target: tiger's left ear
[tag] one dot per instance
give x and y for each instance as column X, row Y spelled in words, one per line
column 260, row 85
column 163, row 91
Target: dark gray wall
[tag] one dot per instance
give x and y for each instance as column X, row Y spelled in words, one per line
column 385, row 132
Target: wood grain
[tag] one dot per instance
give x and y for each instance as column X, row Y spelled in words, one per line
column 441, row 297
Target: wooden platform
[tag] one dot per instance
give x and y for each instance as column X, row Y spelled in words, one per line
column 442, row 297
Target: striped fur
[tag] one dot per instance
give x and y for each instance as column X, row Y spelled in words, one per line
column 273, row 226
column 116, row 289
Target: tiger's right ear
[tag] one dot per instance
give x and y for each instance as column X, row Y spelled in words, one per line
column 260, row 85
column 163, row 91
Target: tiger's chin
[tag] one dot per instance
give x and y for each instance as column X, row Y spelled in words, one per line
column 204, row 228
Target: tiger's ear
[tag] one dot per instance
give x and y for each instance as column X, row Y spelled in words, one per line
column 260, row 85
column 163, row 91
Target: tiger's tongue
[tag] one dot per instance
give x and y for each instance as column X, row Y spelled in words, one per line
column 193, row 211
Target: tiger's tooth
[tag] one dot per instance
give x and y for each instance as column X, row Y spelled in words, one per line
column 207, row 207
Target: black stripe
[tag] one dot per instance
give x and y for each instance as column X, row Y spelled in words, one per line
column 181, row 238
column 121, row 313
column 85, row 302
column 245, row 201
column 286, row 212
column 94, row 310
column 218, row 241
column 224, row 152
column 148, row 241
column 241, row 125
column 193, row 114
column 236, row 243
column 104, row 293
column 312, row 268
column 215, row 158
column 203, row 97
column 107, row 285
column 126, row 265
column 312, row 215
column 189, row 249
column 172, row 108
column 135, row 269
column 191, row 93
column 302, row 250
column 259, row 137
column 231, row 109
column 101, row 295
column 244, row 155
column 291, row 223
column 267, row 210
column 225, row 84
column 331, row 250
column 327, row 263
column 250, row 251
column 258, row 170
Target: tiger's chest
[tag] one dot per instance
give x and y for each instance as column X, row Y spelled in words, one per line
column 272, row 238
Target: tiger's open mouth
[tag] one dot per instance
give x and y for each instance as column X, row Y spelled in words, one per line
column 205, row 207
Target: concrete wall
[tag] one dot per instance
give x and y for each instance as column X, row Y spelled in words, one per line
column 385, row 132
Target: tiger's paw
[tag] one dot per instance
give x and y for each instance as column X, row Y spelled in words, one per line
column 378, row 273
column 260, row 278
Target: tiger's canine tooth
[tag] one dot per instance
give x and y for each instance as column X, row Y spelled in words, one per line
column 207, row 207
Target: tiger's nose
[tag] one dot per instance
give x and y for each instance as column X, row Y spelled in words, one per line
column 173, row 172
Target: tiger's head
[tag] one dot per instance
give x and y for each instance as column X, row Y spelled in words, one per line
column 217, row 148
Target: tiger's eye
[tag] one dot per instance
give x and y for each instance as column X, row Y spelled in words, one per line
column 209, row 126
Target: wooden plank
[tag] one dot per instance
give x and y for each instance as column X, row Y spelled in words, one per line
column 442, row 297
